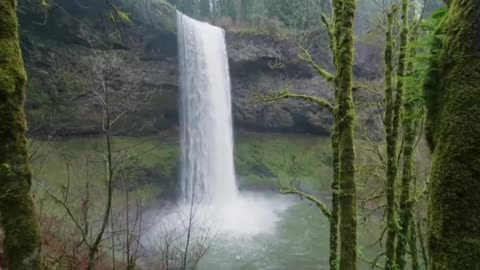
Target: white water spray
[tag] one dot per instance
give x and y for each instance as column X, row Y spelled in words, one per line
column 206, row 119
column 209, row 192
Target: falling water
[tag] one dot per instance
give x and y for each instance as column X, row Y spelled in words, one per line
column 206, row 120
column 208, row 184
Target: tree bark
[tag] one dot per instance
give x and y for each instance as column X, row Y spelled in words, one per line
column 412, row 243
column 391, row 145
column 409, row 135
column 333, row 259
column 17, row 209
column 346, row 115
column 453, row 93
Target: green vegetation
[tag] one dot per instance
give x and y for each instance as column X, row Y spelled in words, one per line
column 394, row 100
column 454, row 117
column 342, row 216
column 261, row 160
column 157, row 161
column 18, row 218
column 92, row 192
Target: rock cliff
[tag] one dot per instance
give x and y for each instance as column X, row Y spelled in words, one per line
column 71, row 45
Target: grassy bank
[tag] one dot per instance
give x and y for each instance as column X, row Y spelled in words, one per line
column 260, row 159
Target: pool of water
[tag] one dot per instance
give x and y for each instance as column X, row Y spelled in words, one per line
column 261, row 231
column 299, row 240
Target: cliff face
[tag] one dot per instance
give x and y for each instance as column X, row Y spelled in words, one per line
column 68, row 51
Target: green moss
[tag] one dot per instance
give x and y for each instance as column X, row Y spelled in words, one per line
column 17, row 210
column 345, row 117
column 454, row 209
column 12, row 73
column 335, row 186
column 407, row 233
column 391, row 139
column 432, row 84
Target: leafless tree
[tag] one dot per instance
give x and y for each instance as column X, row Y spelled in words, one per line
column 99, row 79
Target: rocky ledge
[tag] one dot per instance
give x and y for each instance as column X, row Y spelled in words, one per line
column 69, row 47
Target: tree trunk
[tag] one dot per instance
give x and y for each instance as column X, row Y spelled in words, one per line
column 333, row 259
column 409, row 135
column 346, row 115
column 453, row 93
column 412, row 243
column 391, row 145
column 17, row 209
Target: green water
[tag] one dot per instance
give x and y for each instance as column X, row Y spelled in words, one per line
column 300, row 241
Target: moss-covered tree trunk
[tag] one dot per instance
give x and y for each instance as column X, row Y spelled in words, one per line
column 453, row 93
column 406, row 202
column 409, row 135
column 412, row 243
column 335, row 218
column 17, row 210
column 391, row 171
column 333, row 259
column 345, row 117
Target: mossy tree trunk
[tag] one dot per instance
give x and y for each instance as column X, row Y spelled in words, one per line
column 391, row 171
column 333, row 259
column 412, row 243
column 17, row 210
column 342, row 217
column 406, row 201
column 409, row 135
column 334, row 36
column 453, row 92
column 345, row 118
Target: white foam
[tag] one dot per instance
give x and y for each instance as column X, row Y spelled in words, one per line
column 251, row 214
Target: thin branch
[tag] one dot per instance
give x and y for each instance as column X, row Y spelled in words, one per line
column 67, row 209
column 292, row 190
column 306, row 56
column 286, row 94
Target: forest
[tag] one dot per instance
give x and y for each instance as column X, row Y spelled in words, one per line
column 239, row 134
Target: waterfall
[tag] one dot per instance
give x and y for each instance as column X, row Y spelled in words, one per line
column 207, row 179
column 207, row 172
